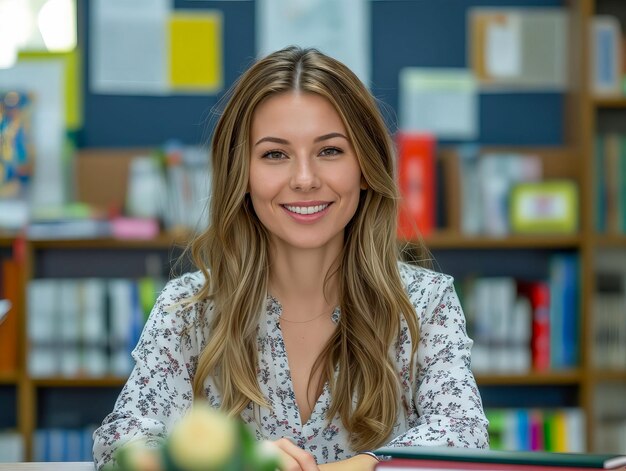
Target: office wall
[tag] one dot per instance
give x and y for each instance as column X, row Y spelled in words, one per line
column 419, row 33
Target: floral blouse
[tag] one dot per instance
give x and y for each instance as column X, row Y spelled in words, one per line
column 440, row 407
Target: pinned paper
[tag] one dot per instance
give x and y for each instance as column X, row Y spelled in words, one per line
column 128, row 46
column 503, row 47
column 340, row 29
column 45, row 81
column 196, row 51
column 442, row 102
column 519, row 49
column 73, row 86
column 144, row 47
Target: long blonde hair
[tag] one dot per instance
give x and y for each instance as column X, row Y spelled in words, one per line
column 233, row 255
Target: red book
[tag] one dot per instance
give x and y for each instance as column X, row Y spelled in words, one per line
column 10, row 290
column 416, row 180
column 538, row 293
column 540, row 345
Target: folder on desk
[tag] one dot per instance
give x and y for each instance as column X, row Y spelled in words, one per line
column 448, row 458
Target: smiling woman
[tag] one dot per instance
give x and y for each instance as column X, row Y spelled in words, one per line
column 305, row 179
column 302, row 320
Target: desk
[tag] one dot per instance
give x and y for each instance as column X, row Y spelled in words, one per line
column 83, row 466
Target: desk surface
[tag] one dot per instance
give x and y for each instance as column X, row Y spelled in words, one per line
column 83, row 466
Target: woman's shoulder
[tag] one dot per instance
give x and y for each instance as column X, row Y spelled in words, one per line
column 425, row 288
column 416, row 278
column 183, row 287
column 175, row 306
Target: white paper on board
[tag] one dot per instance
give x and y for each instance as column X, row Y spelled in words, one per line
column 128, row 47
column 504, row 47
column 340, row 29
column 45, row 79
column 443, row 102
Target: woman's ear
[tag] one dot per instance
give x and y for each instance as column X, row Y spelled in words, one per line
column 364, row 185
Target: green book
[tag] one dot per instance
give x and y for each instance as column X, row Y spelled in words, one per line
column 414, row 457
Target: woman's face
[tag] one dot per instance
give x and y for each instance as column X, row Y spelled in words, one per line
column 305, row 179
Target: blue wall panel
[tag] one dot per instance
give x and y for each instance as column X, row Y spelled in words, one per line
column 419, row 33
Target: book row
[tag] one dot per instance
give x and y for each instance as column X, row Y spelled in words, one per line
column 610, row 183
column 86, row 326
column 610, row 417
column 61, row 444
column 521, row 325
column 488, row 193
column 555, row 430
column 11, row 447
column 609, row 311
column 609, row 318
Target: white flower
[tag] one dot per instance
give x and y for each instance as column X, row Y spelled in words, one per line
column 204, row 439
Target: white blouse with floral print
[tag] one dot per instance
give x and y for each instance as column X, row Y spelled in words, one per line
column 440, row 407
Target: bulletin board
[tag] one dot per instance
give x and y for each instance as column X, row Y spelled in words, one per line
column 417, row 33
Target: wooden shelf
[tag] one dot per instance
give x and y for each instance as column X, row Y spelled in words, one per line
column 610, row 240
column 8, row 378
column 610, row 376
column 535, row 379
column 79, row 382
column 445, row 240
column 7, row 238
column 163, row 241
column 610, row 102
column 438, row 240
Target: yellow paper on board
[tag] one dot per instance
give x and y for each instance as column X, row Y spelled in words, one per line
column 195, row 58
column 73, row 83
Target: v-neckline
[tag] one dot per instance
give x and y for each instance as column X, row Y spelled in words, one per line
column 274, row 310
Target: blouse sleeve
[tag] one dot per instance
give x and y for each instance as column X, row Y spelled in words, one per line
column 159, row 389
column 448, row 403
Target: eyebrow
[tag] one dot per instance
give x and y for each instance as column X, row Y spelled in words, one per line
column 278, row 140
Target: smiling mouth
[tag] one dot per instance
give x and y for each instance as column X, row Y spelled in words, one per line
column 306, row 210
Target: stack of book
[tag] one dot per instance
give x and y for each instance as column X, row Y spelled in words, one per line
column 63, row 445
column 86, row 327
column 437, row 458
column 11, row 446
column 557, row 430
column 478, row 186
column 519, row 325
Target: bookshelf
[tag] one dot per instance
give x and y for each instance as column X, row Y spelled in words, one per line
column 600, row 116
column 574, row 160
column 31, row 392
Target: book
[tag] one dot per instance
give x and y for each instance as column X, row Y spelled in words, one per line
column 564, row 311
column 416, row 180
column 539, row 295
column 610, row 419
column 606, row 73
column 413, row 457
column 11, row 446
column 10, row 275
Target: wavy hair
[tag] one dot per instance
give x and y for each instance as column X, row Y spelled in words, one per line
column 233, row 255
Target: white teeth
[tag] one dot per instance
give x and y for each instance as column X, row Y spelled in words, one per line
column 307, row 209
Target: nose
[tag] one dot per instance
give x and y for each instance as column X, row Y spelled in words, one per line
column 305, row 175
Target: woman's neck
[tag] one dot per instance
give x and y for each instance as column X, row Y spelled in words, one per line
column 297, row 280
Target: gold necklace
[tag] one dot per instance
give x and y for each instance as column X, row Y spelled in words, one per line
column 304, row 322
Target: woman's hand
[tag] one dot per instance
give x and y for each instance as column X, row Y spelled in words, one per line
column 294, row 458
